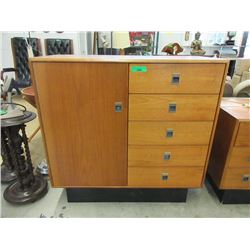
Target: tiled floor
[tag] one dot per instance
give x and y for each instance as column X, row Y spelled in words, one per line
column 200, row 202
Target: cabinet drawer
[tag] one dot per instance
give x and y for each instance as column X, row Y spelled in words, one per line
column 173, row 156
column 243, row 135
column 176, row 78
column 169, row 133
column 240, row 157
column 236, row 178
column 165, row 177
column 172, row 107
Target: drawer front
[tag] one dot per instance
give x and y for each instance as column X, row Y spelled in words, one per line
column 236, row 178
column 190, row 156
column 240, row 157
column 243, row 135
column 169, row 133
column 176, row 78
column 172, row 107
column 165, row 177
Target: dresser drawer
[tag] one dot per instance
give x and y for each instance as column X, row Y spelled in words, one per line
column 169, row 133
column 189, row 156
column 240, row 157
column 165, row 177
column 236, row 178
column 172, row 107
column 243, row 135
column 176, row 78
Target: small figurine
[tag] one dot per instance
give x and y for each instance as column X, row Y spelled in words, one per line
column 196, row 46
column 172, row 49
column 230, row 35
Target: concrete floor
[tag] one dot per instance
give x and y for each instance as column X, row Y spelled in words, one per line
column 200, row 202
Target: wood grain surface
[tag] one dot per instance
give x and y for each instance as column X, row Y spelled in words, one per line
column 225, row 133
column 189, row 156
column 154, row 133
column 233, row 178
column 194, row 78
column 240, row 157
column 156, row 107
column 243, row 135
column 86, row 139
column 177, row 177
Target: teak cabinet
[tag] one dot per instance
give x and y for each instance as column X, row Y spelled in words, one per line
column 127, row 121
column 229, row 164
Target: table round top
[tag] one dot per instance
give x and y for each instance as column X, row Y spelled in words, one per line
column 26, row 117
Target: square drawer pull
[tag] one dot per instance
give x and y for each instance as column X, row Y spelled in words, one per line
column 167, row 156
column 246, row 178
column 248, row 159
column 172, row 107
column 170, row 132
column 164, row 176
column 175, row 79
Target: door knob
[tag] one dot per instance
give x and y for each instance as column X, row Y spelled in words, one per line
column 118, row 106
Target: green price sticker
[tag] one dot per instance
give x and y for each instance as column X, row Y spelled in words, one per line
column 139, row 68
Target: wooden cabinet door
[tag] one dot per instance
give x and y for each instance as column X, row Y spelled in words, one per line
column 85, row 137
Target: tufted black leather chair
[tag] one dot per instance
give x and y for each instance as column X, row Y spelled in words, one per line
column 20, row 56
column 58, row 46
column 108, row 51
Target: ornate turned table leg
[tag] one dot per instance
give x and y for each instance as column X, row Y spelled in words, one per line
column 28, row 187
column 7, row 167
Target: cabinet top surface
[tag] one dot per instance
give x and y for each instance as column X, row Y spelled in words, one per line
column 128, row 59
column 239, row 108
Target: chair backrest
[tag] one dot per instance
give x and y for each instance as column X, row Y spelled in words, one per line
column 58, row 46
column 132, row 50
column 20, row 56
column 108, row 51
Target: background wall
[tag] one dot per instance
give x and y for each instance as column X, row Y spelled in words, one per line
column 83, row 41
column 208, row 40
column 79, row 43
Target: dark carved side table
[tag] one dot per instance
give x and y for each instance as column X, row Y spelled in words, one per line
column 27, row 187
column 7, row 167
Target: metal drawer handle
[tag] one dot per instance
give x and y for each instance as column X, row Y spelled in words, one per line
column 172, row 107
column 164, row 176
column 246, row 178
column 167, row 156
column 248, row 159
column 175, row 78
column 118, row 106
column 170, row 132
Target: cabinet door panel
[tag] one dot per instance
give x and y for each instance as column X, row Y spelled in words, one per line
column 85, row 137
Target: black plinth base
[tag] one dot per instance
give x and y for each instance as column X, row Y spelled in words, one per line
column 230, row 196
column 14, row 194
column 126, row 195
column 7, row 176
